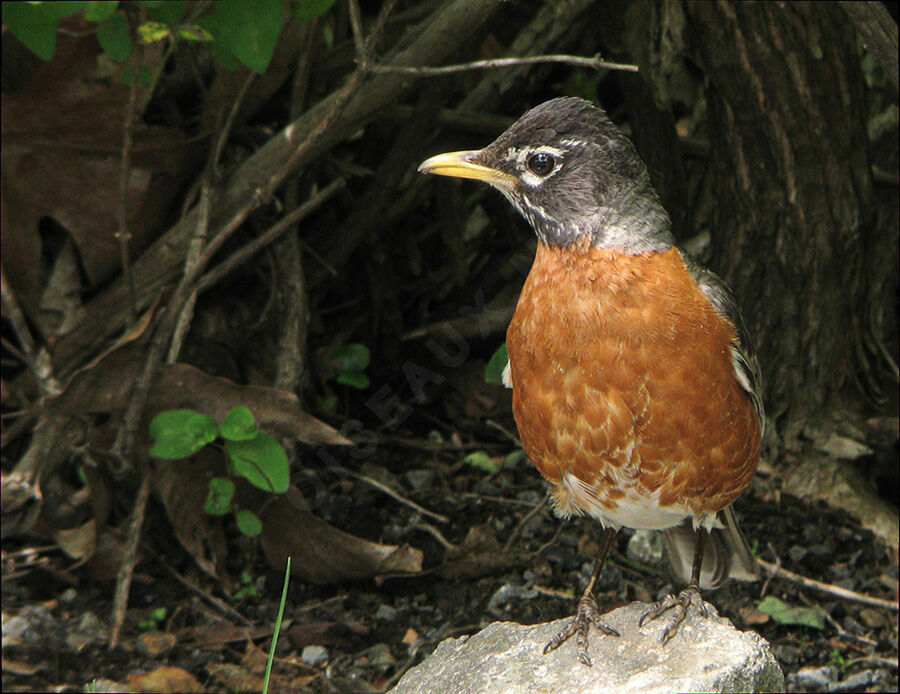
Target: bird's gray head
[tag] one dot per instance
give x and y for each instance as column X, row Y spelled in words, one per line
column 566, row 167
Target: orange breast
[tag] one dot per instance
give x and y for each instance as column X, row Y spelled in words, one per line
column 622, row 378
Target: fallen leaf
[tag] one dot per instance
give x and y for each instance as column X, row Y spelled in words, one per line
column 154, row 643
column 320, row 552
column 339, row 633
column 182, row 485
column 165, row 679
column 480, row 554
column 80, row 542
column 784, row 613
column 105, row 386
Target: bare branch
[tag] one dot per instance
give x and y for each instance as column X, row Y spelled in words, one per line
column 594, row 63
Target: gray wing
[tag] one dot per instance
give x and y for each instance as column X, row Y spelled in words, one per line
column 743, row 358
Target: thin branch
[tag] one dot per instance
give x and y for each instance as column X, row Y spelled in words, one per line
column 836, row 591
column 126, row 567
column 123, row 235
column 397, row 497
column 594, row 63
column 269, row 235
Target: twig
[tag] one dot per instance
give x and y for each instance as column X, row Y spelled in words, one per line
column 220, row 605
column 123, row 235
column 397, row 497
column 269, row 235
column 436, row 534
column 836, row 591
column 126, row 567
column 506, row 432
column 521, row 524
column 594, row 63
column 198, row 240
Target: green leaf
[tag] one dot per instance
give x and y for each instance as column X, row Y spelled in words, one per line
column 99, row 11
column 248, row 522
column 114, row 37
column 238, row 425
column 180, row 433
column 219, row 496
column 352, row 357
column 170, row 12
column 262, row 461
column 514, row 458
column 493, row 372
column 783, row 613
column 192, row 32
column 151, row 32
column 482, row 461
column 357, row 379
column 310, row 9
column 249, row 30
column 141, row 75
column 36, row 24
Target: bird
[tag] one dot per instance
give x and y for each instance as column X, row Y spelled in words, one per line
column 635, row 387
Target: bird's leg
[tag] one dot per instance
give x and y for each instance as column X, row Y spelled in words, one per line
column 681, row 602
column 588, row 612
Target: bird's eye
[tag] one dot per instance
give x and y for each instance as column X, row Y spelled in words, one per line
column 541, row 163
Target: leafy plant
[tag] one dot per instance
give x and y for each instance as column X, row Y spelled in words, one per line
column 347, row 364
column 783, row 613
column 247, row 589
column 157, row 615
column 493, row 372
column 235, row 31
column 252, row 454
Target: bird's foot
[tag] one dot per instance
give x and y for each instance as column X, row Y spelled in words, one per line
column 680, row 604
column 587, row 613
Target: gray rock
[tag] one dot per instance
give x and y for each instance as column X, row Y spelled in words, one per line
column 814, row 679
column 647, row 547
column 706, row 655
column 314, row 655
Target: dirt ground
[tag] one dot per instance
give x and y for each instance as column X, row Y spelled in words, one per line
column 363, row 636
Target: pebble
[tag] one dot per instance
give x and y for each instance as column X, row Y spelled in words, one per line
column 419, row 479
column 314, row 655
column 507, row 593
column 647, row 547
column 386, row 613
column 858, row 681
column 814, row 678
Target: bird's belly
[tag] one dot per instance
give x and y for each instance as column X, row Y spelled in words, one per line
column 623, row 388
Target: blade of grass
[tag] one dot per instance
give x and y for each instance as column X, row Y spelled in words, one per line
column 287, row 579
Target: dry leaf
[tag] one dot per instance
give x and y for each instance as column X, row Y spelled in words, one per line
column 480, row 554
column 320, row 552
column 164, row 679
column 182, row 486
column 80, row 542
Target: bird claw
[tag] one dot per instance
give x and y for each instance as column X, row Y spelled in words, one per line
column 680, row 604
column 587, row 613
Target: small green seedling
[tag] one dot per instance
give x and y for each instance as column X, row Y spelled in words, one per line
column 347, row 365
column 247, row 589
column 157, row 616
column 252, row 454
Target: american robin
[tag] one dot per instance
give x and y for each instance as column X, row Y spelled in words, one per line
column 635, row 389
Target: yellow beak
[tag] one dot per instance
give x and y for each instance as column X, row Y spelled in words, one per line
column 461, row 165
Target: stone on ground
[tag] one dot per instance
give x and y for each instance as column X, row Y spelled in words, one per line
column 707, row 655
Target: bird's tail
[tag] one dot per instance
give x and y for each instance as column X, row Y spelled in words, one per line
column 726, row 553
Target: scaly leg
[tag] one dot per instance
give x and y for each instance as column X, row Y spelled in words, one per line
column 588, row 612
column 681, row 602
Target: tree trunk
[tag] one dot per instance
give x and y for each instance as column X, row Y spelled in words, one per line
column 796, row 226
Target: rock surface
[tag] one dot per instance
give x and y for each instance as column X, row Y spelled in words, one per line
column 706, row 655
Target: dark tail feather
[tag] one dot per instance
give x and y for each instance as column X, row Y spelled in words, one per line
column 726, row 553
